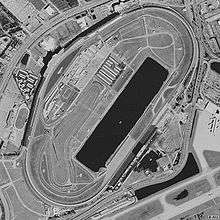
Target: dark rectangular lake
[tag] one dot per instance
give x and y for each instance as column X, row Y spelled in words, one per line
column 123, row 115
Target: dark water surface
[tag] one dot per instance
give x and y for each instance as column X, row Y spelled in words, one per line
column 190, row 169
column 123, row 115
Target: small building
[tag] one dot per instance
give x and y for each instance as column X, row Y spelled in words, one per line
column 213, row 109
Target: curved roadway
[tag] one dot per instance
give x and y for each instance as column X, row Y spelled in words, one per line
column 37, row 147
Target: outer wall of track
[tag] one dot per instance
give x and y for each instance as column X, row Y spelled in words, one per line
column 35, row 149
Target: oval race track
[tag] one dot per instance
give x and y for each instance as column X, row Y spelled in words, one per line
column 40, row 158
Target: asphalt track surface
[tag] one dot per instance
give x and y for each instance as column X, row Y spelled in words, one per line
column 37, row 147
